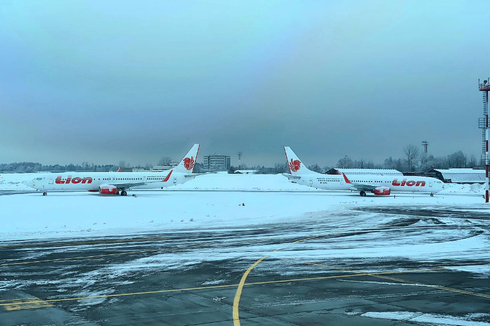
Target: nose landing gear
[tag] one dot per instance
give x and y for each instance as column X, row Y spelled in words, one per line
column 45, row 193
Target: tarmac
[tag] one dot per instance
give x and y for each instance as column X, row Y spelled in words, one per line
column 272, row 274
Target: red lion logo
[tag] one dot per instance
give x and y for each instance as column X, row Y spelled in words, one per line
column 189, row 163
column 294, row 165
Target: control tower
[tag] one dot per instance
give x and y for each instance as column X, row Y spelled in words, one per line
column 483, row 124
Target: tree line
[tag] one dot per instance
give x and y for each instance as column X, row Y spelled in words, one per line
column 413, row 160
column 30, row 167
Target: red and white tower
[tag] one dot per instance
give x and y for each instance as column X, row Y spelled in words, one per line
column 485, row 87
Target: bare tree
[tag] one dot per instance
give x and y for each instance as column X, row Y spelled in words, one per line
column 457, row 160
column 165, row 161
column 280, row 168
column 412, row 152
column 472, row 162
column 315, row 168
column 345, row 162
column 123, row 164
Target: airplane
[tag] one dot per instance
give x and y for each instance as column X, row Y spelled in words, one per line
column 379, row 185
column 115, row 183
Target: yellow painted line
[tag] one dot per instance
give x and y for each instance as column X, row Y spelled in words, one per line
column 14, row 300
column 444, row 288
column 236, row 300
column 75, row 243
column 236, row 320
column 211, row 287
column 98, row 256
column 23, row 304
column 310, row 238
column 127, row 294
column 380, row 275
column 331, row 277
column 238, row 294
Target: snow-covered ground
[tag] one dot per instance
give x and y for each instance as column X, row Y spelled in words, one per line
column 237, row 219
column 265, row 199
column 75, row 214
column 16, row 182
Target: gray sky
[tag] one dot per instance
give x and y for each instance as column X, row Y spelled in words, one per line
column 104, row 81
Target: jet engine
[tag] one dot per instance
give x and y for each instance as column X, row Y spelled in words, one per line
column 382, row 191
column 107, row 190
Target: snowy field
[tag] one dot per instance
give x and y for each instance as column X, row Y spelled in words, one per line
column 243, row 200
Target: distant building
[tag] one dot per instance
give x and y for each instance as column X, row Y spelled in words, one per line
column 457, row 175
column 217, row 162
column 365, row 172
column 160, row 168
column 246, row 171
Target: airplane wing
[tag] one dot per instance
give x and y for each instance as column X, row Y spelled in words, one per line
column 135, row 184
column 128, row 185
column 363, row 186
column 359, row 185
column 193, row 175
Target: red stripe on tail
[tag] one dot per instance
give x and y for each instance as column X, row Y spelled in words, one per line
column 345, row 178
column 168, row 176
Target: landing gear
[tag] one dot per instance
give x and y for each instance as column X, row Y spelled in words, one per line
column 432, row 194
column 45, row 193
column 124, row 193
column 362, row 193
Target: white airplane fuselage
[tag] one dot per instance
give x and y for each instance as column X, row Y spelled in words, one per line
column 92, row 181
column 375, row 183
column 407, row 184
column 113, row 183
column 411, row 184
column 321, row 181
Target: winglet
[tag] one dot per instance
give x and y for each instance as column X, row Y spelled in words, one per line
column 119, row 170
column 345, row 178
column 168, row 176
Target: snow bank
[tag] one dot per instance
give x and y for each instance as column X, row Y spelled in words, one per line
column 433, row 319
column 65, row 214
column 16, row 182
column 242, row 182
column 454, row 188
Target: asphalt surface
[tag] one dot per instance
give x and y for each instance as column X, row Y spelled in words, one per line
column 304, row 278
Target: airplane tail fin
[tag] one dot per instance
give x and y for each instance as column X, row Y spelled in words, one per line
column 295, row 165
column 189, row 161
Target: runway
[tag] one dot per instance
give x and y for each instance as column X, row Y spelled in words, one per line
column 330, row 270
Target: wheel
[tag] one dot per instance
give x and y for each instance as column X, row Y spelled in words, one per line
column 45, row 193
column 432, row 194
column 362, row 193
column 124, row 193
